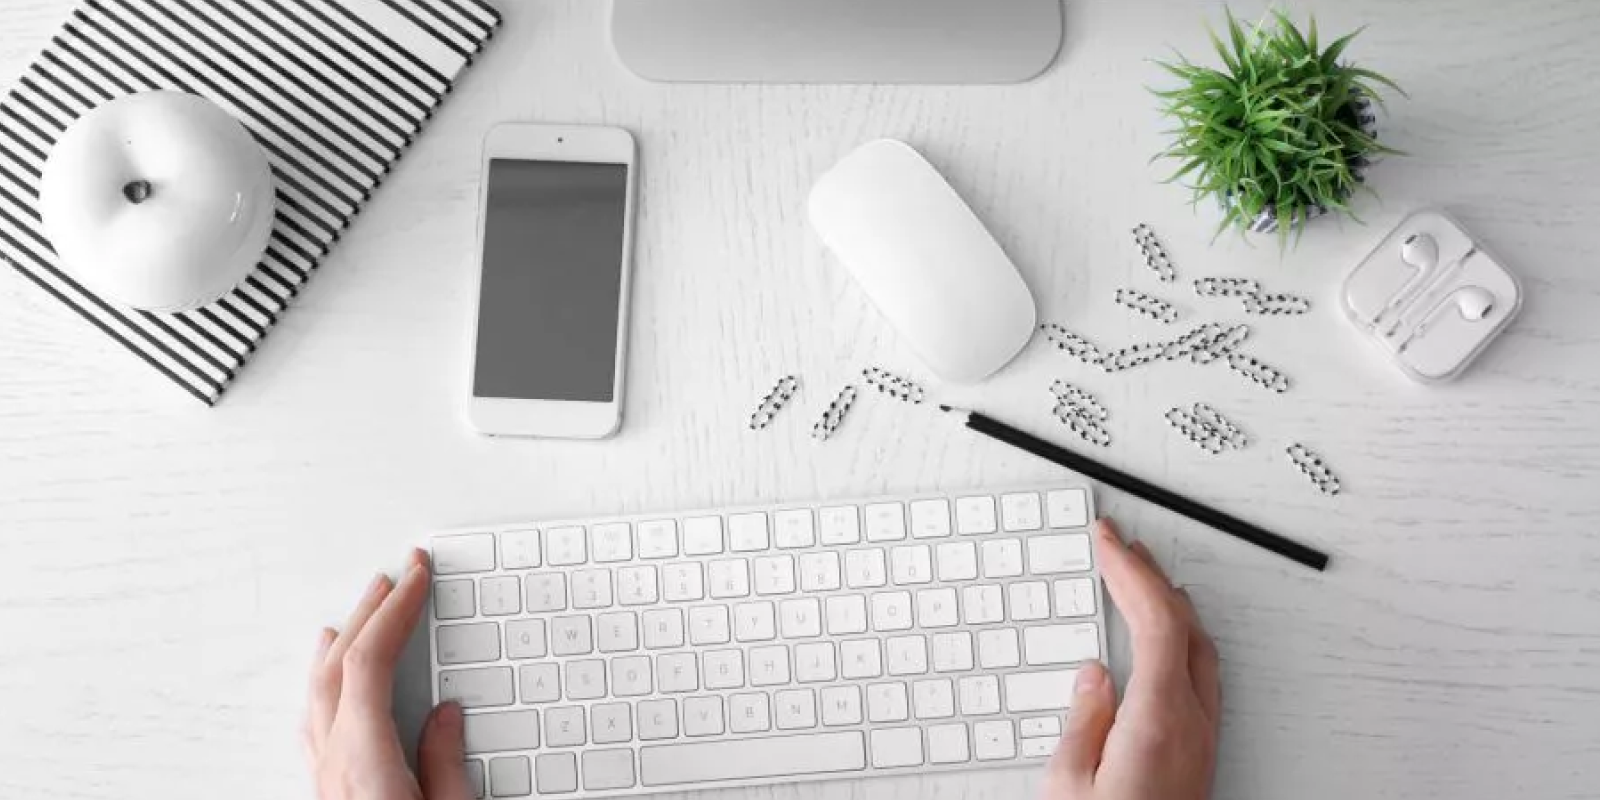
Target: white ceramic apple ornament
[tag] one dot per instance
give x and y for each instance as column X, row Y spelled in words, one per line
column 159, row 201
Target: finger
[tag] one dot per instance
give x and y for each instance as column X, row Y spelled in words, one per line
column 323, row 695
column 1157, row 626
column 370, row 600
column 1142, row 550
column 1204, row 669
column 370, row 662
column 440, row 766
column 1094, row 708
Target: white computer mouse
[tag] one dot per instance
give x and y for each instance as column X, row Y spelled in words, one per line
column 924, row 259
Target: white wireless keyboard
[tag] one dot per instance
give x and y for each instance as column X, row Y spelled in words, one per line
column 741, row 647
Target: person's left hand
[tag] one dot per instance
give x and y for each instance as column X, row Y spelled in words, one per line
column 351, row 741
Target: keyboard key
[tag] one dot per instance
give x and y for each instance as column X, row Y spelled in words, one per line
column 947, row 744
column 631, row 677
column 794, row 528
column 800, row 618
column 975, row 515
column 477, row 688
column 475, row 779
column 994, row 740
column 541, row 683
column 565, row 727
column 610, row 723
column 607, row 769
column 936, row 608
column 702, row 536
column 723, row 669
column 497, row 733
column 586, row 680
column 456, row 555
column 861, row 658
column 1030, row 601
column 663, row 628
column 896, row 747
column 565, row 547
column 747, row 533
column 886, row 702
column 571, row 636
column 1039, row 747
column 846, row 614
column 1067, row 508
column 749, row 759
column 864, row 569
column 702, row 716
column 819, row 572
column 468, row 644
column 1066, row 552
column 891, row 611
column 681, row 583
column 678, row 672
column 1021, row 512
column 1076, row 597
column 1061, row 644
column 814, row 662
column 952, row 652
column 658, row 539
column 1039, row 691
column 509, row 776
column 774, row 575
column 930, row 519
column 886, row 522
column 591, row 588
column 500, row 596
column 997, row 647
column 841, row 705
column 754, row 622
column 769, row 666
column 906, row 655
column 729, row 578
column 525, row 638
column 912, row 565
column 958, row 561
column 1041, row 726
column 1002, row 558
column 708, row 625
column 611, row 543
column 934, row 699
column 558, row 773
column 795, row 709
column 617, row 633
column 658, row 719
column 519, row 549
column 981, row 605
column 454, row 600
column 545, row 591
column 636, row 586
column 840, row 525
column 749, row 713
column 979, row 694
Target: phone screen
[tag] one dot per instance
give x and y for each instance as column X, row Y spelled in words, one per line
column 552, row 281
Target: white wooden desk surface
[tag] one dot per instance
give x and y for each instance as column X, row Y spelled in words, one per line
column 164, row 568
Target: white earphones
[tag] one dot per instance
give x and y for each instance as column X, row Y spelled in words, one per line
column 1473, row 303
column 1421, row 251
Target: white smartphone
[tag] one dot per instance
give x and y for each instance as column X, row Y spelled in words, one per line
column 555, row 243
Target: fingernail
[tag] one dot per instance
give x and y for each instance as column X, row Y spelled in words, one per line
column 378, row 582
column 1107, row 530
column 1091, row 677
column 450, row 715
column 419, row 556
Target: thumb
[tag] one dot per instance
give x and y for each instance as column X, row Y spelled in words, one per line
column 1094, row 707
column 442, row 770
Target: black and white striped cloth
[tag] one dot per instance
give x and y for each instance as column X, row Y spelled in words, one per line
column 334, row 90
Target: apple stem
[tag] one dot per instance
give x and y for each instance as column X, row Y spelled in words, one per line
column 137, row 191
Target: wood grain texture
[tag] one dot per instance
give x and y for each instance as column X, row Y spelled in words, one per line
column 165, row 567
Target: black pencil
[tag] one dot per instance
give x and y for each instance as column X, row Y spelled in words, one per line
column 1118, row 479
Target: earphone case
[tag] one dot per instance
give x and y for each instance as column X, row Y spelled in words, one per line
column 1442, row 350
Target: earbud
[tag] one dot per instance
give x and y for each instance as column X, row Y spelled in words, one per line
column 1473, row 303
column 1420, row 251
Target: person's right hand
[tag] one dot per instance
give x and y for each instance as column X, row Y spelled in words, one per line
column 1162, row 743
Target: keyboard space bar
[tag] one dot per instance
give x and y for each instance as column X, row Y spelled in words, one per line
column 748, row 759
